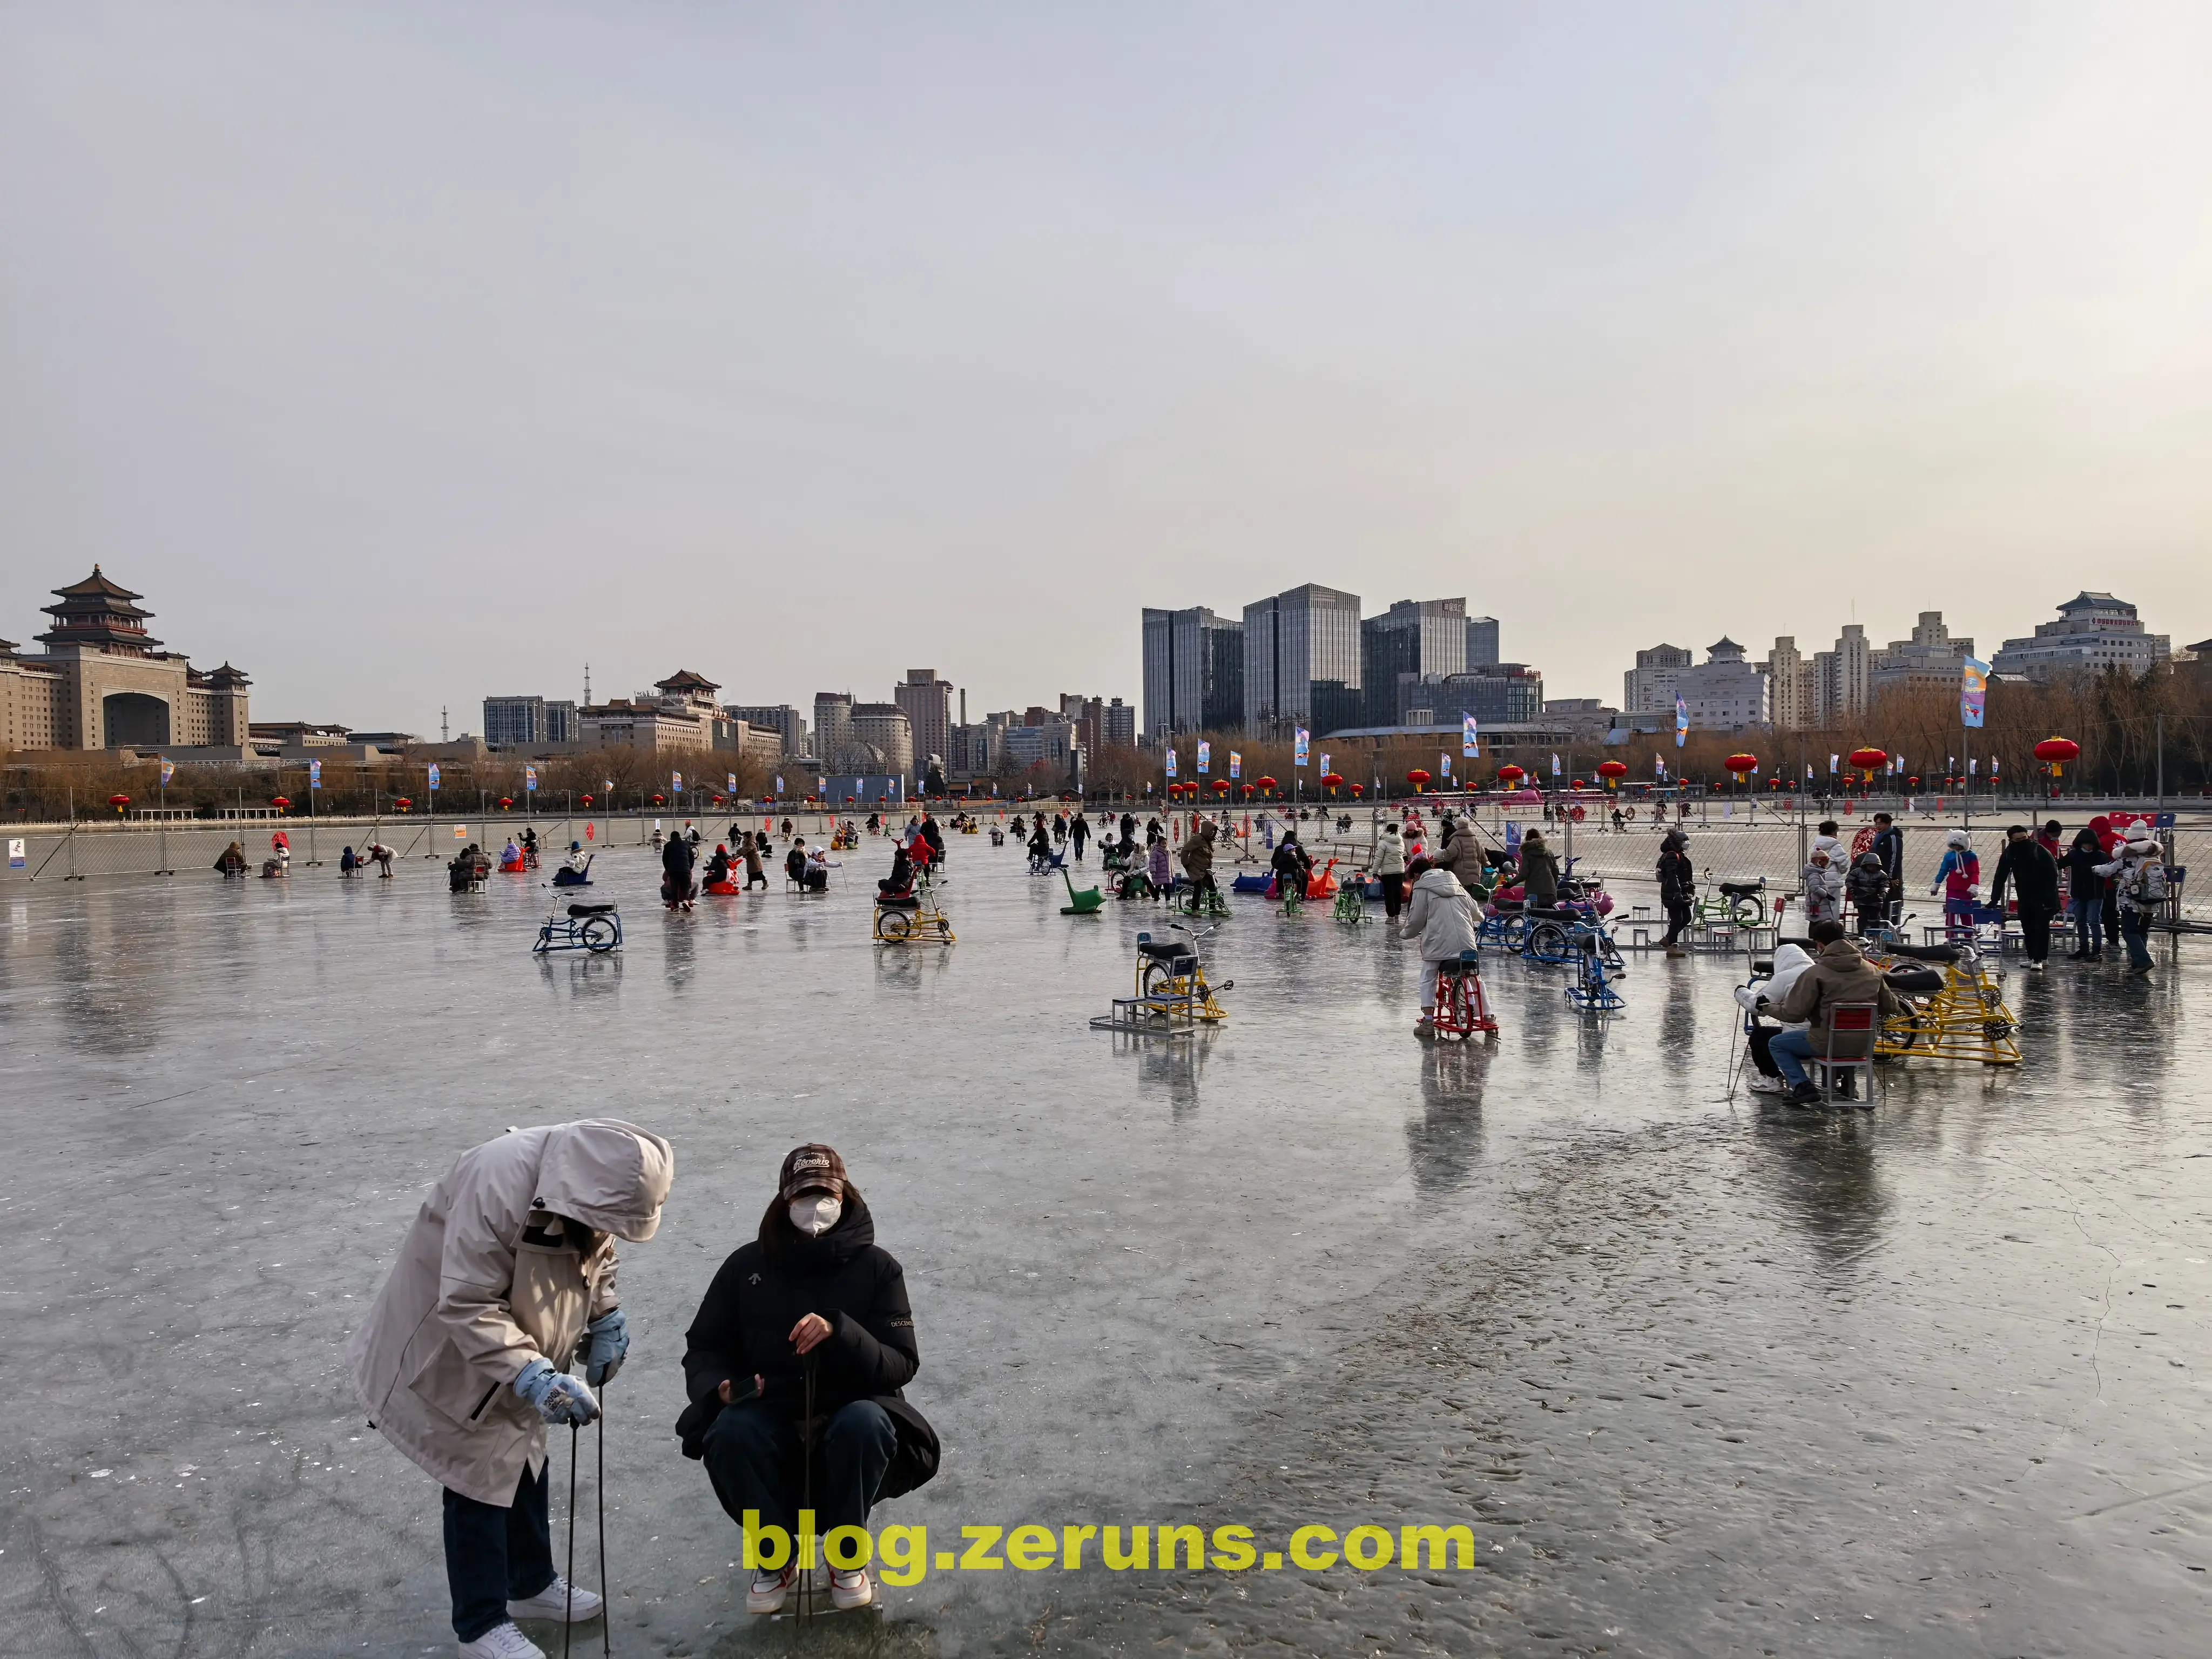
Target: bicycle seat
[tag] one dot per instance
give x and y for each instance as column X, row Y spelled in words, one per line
column 591, row 909
column 1926, row 952
column 1914, row 982
column 1166, row 950
column 898, row 901
column 1743, row 889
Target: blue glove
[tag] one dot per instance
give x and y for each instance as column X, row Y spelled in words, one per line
column 606, row 1340
column 558, row 1397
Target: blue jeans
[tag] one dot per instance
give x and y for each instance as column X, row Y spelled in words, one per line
column 2135, row 928
column 2085, row 920
column 1791, row 1050
column 754, row 1459
column 495, row 1555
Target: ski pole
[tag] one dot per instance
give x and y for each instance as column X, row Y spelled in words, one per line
column 606, row 1595
column 569, row 1584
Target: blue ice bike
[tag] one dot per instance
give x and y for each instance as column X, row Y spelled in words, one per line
column 593, row 928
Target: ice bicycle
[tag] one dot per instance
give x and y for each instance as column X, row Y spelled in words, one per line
column 1172, row 992
column 594, row 927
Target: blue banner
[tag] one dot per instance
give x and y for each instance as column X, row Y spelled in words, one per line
column 529, row 780
column 1470, row 737
column 314, row 774
column 1682, row 720
column 1172, row 762
column 1205, row 758
column 1235, row 764
column 434, row 776
column 1303, row 737
column 1973, row 690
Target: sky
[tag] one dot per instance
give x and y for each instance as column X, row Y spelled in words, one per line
column 405, row 354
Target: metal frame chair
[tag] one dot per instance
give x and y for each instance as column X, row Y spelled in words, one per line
column 1856, row 1020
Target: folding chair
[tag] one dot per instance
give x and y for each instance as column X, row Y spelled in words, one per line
column 1851, row 1026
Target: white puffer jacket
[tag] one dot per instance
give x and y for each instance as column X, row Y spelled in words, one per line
column 1441, row 916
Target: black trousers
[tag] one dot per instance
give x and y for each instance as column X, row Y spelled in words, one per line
column 1393, row 894
column 495, row 1555
column 2035, row 929
column 753, row 1457
column 1678, row 918
column 1762, row 1034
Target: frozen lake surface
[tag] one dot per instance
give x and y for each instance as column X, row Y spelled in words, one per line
column 1701, row 1376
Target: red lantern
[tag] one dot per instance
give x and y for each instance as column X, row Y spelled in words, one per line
column 1221, row 786
column 118, row 802
column 1359, row 790
column 1245, row 790
column 662, row 800
column 279, row 802
column 1418, row 778
column 404, row 804
column 587, row 799
column 2054, row 752
column 1509, row 774
column 1868, row 759
column 1575, row 784
column 1739, row 764
column 1612, row 771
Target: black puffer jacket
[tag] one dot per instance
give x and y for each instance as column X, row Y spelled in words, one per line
column 743, row 1329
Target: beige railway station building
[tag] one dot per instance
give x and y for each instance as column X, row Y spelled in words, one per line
column 104, row 683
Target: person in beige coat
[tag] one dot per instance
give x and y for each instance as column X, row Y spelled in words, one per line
column 507, row 1271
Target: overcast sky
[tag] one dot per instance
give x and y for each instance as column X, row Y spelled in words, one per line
column 407, row 353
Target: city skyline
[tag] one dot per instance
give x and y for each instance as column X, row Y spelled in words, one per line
column 794, row 345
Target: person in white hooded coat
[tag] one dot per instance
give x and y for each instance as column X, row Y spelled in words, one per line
column 1827, row 868
column 1759, row 998
column 507, row 1270
column 1441, row 916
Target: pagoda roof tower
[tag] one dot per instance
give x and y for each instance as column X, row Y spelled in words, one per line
column 99, row 614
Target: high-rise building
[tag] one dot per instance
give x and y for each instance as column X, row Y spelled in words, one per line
column 1650, row 686
column 1724, row 693
column 1842, row 681
column 1413, row 636
column 528, row 722
column 1194, row 672
column 780, row 718
column 1502, row 694
column 1482, row 642
column 1785, row 685
column 928, row 704
column 833, row 728
column 884, row 729
column 2093, row 632
column 1930, row 658
column 1118, row 724
column 1302, row 662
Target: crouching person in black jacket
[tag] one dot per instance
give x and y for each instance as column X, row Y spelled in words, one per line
column 811, row 1305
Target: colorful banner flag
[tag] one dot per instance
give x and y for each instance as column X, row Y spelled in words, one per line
column 1205, row 758
column 1973, row 690
column 433, row 776
column 17, row 855
column 169, row 770
column 1555, row 766
column 1235, row 764
column 314, row 774
column 730, row 788
column 529, row 780
column 779, row 783
column 1444, row 763
column 1303, row 737
column 675, row 782
column 1324, row 763
column 1834, row 761
column 1172, row 762
column 1470, row 737
column 1682, row 720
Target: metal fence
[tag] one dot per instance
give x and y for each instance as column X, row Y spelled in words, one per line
column 57, row 853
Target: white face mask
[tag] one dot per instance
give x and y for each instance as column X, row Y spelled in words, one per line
column 815, row 1213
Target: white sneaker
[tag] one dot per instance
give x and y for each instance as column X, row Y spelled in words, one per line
column 503, row 1641
column 851, row 1590
column 557, row 1601
column 1763, row 1084
column 768, row 1589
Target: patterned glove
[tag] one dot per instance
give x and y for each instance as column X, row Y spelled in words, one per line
column 558, row 1397
column 606, row 1340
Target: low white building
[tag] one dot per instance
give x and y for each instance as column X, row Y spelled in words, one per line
column 2093, row 632
column 1724, row 693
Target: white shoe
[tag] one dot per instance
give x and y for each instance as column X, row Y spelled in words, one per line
column 1763, row 1084
column 768, row 1589
column 851, row 1590
column 558, row 1601
column 503, row 1641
